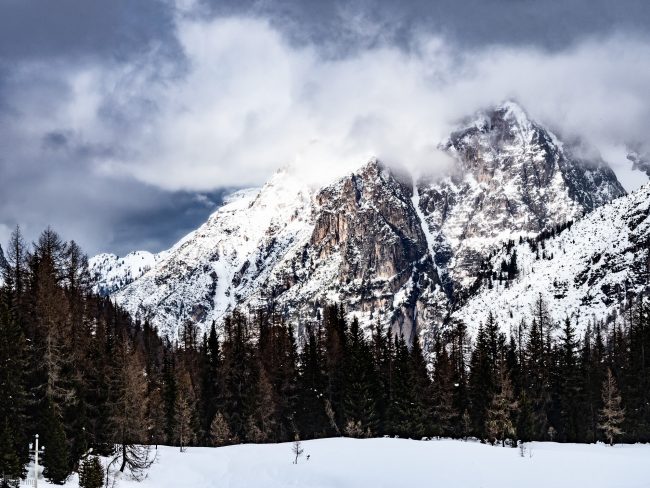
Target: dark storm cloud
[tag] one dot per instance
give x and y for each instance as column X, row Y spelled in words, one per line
column 33, row 29
column 345, row 25
column 122, row 121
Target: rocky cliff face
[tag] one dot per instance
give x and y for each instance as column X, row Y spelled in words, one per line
column 391, row 250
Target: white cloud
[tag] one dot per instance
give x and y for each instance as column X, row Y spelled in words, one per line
column 249, row 102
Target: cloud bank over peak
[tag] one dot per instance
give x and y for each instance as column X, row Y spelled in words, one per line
column 246, row 101
column 232, row 98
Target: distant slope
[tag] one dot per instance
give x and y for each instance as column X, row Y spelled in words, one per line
column 111, row 273
column 584, row 272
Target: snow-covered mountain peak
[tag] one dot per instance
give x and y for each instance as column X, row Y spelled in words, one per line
column 392, row 249
column 111, row 273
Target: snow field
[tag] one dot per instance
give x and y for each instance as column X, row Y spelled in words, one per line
column 377, row 463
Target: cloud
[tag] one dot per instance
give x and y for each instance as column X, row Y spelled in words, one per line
column 106, row 147
column 249, row 102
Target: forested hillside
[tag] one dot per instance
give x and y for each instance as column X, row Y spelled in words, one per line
column 78, row 371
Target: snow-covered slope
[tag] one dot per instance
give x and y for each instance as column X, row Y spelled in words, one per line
column 586, row 271
column 111, row 273
column 215, row 267
column 390, row 248
column 389, row 463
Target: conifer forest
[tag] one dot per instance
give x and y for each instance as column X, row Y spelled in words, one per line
column 77, row 370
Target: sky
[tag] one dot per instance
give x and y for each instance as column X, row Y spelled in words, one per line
column 123, row 124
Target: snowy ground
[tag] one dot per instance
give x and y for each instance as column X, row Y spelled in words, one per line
column 396, row 462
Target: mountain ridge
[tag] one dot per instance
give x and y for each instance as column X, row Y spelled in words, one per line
column 392, row 247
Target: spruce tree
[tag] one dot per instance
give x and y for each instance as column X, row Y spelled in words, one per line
column 56, row 461
column 11, row 466
column 420, row 393
column 91, row 473
column 481, row 380
column 499, row 424
column 311, row 417
column 361, row 382
column 444, row 413
column 570, row 391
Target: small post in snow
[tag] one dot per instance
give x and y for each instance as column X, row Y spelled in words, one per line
column 36, row 451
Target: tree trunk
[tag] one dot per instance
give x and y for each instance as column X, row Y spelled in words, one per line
column 123, row 458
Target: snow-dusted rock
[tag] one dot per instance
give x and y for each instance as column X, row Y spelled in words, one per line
column 585, row 272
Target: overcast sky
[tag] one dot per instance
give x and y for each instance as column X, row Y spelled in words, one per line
column 123, row 123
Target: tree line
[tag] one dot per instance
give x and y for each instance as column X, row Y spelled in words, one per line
column 79, row 371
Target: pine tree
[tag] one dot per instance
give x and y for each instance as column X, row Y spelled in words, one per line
column 184, row 409
column 56, row 462
column 312, row 388
column 361, row 386
column 91, row 473
column 420, row 392
column 481, row 379
column 220, row 434
column 398, row 404
column 635, row 388
column 277, row 382
column 570, row 392
column 612, row 414
column 499, row 419
column 13, row 400
column 444, row 413
column 11, row 466
column 128, row 412
column 335, row 328
column 240, row 375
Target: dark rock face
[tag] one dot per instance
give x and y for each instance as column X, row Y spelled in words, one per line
column 368, row 218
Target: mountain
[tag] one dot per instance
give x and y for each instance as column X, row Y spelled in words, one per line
column 391, row 247
column 585, row 272
column 512, row 177
column 111, row 273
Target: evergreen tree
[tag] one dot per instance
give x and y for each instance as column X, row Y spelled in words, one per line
column 361, row 386
column 570, row 392
column 399, row 407
column 11, row 466
column 91, row 473
column 56, row 462
column 220, row 434
column 312, row 388
column 444, row 413
column 420, row 392
column 499, row 420
column 335, row 328
column 482, row 379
